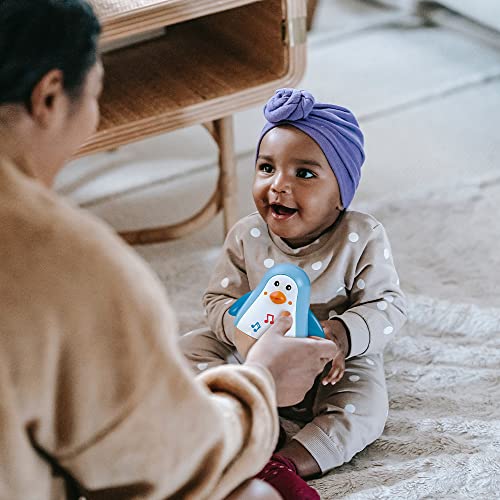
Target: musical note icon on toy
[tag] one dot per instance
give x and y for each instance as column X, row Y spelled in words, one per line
column 284, row 287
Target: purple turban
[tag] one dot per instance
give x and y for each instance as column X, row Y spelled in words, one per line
column 333, row 128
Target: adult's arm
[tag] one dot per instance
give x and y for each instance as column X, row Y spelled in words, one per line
column 93, row 377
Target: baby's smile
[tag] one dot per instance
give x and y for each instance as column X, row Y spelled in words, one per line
column 282, row 212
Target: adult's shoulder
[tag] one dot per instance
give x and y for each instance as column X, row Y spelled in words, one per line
column 118, row 269
column 57, row 249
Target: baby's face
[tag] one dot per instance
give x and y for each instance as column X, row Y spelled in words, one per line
column 294, row 189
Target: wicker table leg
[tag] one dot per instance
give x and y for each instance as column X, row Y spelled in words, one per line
column 224, row 196
column 227, row 165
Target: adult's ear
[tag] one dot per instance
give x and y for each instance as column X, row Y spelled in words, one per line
column 46, row 98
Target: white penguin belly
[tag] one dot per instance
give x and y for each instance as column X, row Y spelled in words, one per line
column 261, row 315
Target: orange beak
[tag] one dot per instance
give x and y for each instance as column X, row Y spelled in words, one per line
column 278, row 297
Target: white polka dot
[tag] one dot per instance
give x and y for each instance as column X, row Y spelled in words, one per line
column 370, row 362
column 255, row 232
column 390, row 299
column 382, row 305
column 224, row 282
column 354, row 378
column 388, row 330
column 269, row 263
column 228, row 302
column 317, row 265
column 202, row 366
column 332, row 313
column 350, row 408
column 353, row 237
column 361, row 284
column 387, row 254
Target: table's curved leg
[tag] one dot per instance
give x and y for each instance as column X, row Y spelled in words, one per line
column 227, row 165
column 224, row 196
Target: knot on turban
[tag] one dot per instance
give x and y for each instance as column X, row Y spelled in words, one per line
column 334, row 128
column 288, row 104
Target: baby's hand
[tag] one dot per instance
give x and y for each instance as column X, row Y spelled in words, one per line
column 336, row 332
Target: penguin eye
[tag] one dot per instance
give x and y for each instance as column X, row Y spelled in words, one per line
column 288, row 287
column 276, row 283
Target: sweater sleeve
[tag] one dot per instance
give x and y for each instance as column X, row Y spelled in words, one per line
column 228, row 283
column 176, row 436
column 377, row 305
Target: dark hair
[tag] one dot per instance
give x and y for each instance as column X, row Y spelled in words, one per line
column 37, row 36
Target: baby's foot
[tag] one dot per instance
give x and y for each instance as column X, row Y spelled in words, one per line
column 281, row 474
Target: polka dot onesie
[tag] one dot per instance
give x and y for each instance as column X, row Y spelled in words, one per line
column 353, row 279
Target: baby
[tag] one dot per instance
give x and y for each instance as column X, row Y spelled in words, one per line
column 308, row 167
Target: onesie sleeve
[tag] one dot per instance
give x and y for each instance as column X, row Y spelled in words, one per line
column 227, row 284
column 377, row 305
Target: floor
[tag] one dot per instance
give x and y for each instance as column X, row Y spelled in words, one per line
column 427, row 98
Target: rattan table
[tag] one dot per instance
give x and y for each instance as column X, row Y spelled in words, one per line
column 204, row 61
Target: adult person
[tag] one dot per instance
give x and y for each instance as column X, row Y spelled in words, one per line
column 96, row 399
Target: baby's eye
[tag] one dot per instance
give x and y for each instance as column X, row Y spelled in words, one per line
column 276, row 283
column 288, row 287
column 266, row 168
column 304, row 173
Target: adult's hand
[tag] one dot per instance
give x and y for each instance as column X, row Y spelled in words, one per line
column 293, row 362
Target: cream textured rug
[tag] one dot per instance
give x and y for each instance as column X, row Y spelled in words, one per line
column 442, row 438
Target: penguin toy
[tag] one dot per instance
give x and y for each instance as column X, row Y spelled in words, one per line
column 284, row 288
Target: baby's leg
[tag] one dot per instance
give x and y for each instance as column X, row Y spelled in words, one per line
column 349, row 415
column 203, row 349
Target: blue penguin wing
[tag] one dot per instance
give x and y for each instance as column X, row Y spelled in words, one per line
column 314, row 328
column 233, row 310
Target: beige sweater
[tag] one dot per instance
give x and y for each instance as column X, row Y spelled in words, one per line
column 91, row 375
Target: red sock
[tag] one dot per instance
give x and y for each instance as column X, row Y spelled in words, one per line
column 281, row 474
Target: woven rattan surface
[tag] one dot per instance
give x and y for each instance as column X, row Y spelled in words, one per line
column 200, row 70
column 122, row 18
column 197, row 71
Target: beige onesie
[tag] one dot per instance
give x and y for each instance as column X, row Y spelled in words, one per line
column 354, row 280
